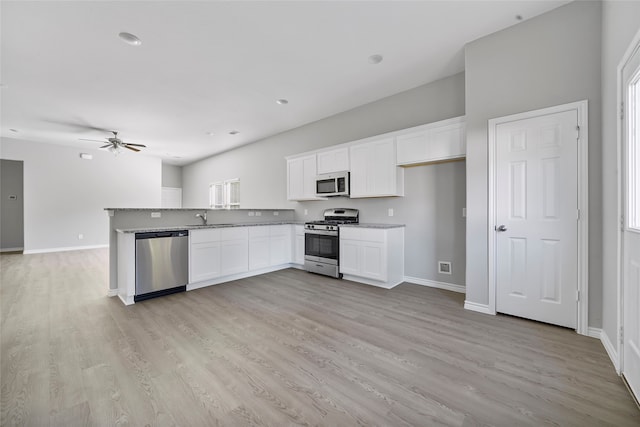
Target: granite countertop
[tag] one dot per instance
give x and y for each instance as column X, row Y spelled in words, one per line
column 201, row 227
column 197, row 209
column 371, row 225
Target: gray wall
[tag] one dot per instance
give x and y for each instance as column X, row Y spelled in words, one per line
column 549, row 60
column 619, row 25
column 432, row 208
column 11, row 209
column 171, row 176
column 65, row 196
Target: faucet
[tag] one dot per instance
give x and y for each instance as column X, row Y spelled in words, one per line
column 203, row 217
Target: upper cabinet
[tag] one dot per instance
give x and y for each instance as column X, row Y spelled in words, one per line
column 301, row 178
column 434, row 142
column 373, row 170
column 335, row 160
column 375, row 162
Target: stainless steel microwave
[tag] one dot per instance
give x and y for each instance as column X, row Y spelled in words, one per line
column 332, row 184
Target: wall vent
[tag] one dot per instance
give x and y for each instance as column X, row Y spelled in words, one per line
column 444, row 267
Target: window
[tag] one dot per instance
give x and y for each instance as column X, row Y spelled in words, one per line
column 633, row 149
column 225, row 194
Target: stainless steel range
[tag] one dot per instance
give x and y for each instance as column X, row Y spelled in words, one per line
column 322, row 241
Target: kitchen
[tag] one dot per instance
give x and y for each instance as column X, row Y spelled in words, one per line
column 434, row 231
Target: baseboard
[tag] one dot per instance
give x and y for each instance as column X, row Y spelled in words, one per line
column 112, row 293
column 594, row 332
column 611, row 350
column 20, row 249
column 64, row 249
column 480, row 308
column 435, row 284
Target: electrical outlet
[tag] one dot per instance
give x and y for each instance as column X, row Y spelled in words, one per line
column 258, row 213
column 80, row 236
column 156, row 215
column 464, row 212
column 306, row 211
column 276, row 213
column 390, row 211
column 252, row 213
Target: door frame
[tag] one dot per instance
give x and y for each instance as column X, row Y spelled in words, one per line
column 621, row 184
column 581, row 107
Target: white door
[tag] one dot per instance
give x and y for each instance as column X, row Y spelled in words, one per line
column 631, row 229
column 536, row 187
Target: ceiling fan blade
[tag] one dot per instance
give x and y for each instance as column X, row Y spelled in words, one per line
column 135, row 145
column 105, row 146
column 92, row 140
column 131, row 148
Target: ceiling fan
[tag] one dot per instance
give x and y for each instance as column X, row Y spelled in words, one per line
column 116, row 145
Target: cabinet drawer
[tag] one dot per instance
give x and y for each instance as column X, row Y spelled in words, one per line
column 206, row 235
column 234, row 233
column 363, row 234
column 280, row 230
column 258, row 231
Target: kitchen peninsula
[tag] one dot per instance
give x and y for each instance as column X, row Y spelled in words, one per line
column 231, row 244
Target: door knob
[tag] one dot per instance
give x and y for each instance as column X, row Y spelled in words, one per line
column 501, row 228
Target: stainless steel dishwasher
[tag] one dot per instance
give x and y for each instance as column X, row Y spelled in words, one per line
column 162, row 263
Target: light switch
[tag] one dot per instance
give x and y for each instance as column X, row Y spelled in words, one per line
column 156, row 215
column 390, row 211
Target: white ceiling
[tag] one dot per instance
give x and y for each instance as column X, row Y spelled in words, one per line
column 213, row 67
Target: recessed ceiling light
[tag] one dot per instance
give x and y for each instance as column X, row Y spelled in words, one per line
column 14, row 130
column 130, row 39
column 234, row 132
column 375, row 59
column 519, row 17
column 282, row 102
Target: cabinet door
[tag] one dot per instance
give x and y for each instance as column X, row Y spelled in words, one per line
column 301, row 178
column 412, row 147
column 234, row 257
column 280, row 244
column 204, row 261
column 333, row 160
column 447, row 142
column 258, row 253
column 299, row 249
column 349, row 257
column 373, row 169
column 373, row 261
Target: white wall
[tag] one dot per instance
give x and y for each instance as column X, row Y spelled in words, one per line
column 65, row 196
column 171, row 176
column 435, row 195
column 548, row 60
column 620, row 23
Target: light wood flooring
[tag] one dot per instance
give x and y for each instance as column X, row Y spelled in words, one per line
column 286, row 348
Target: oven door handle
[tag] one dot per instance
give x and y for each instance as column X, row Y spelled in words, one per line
column 322, row 232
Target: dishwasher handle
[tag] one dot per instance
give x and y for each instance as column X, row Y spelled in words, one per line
column 159, row 234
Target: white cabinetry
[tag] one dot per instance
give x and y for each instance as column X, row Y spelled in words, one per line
column 258, row 247
column 434, row 142
column 234, row 250
column 279, row 244
column 298, row 245
column 372, row 255
column 335, row 160
column 204, row 259
column 301, row 178
column 373, row 170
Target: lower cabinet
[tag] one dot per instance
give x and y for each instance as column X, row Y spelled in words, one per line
column 298, row 245
column 234, row 250
column 372, row 255
column 228, row 251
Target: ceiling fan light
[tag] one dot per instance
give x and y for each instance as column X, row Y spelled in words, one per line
column 115, row 149
column 129, row 38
